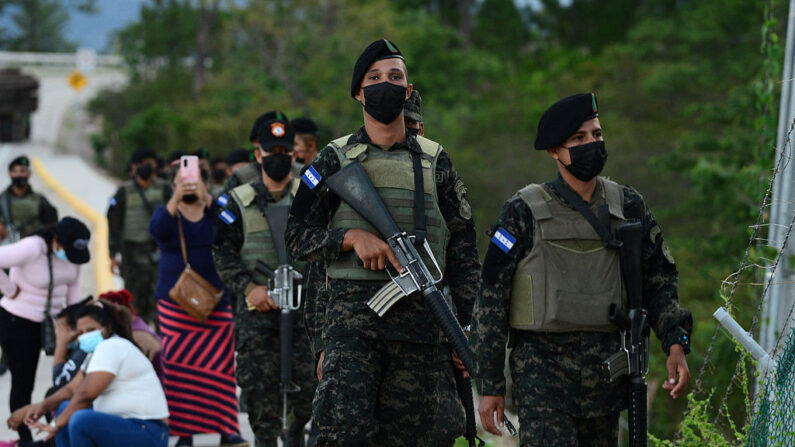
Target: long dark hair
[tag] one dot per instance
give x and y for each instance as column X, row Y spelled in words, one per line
column 48, row 234
column 110, row 315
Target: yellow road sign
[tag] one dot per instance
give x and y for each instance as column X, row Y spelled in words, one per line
column 77, row 80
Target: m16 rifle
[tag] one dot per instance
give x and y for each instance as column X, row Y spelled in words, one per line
column 632, row 359
column 284, row 288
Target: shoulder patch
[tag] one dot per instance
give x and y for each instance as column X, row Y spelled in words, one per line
column 222, row 200
column 113, row 201
column 503, row 240
column 227, row 217
column 311, row 177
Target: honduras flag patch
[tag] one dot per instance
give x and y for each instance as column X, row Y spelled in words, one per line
column 227, row 217
column 311, row 177
column 113, row 201
column 222, row 200
column 503, row 240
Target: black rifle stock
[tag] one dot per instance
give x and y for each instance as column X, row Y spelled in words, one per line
column 352, row 185
column 633, row 358
column 281, row 288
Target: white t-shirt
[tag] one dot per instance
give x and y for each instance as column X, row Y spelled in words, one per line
column 135, row 392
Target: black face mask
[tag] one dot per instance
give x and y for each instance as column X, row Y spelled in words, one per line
column 219, row 174
column 299, row 159
column 412, row 131
column 277, row 166
column 384, row 101
column 144, row 172
column 190, row 198
column 19, row 182
column 587, row 160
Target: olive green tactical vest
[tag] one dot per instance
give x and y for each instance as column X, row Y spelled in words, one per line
column 136, row 215
column 568, row 279
column 392, row 174
column 25, row 213
column 257, row 242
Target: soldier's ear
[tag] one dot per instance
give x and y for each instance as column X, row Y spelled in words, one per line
column 553, row 152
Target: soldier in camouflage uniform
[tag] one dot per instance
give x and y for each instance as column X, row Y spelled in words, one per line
column 379, row 375
column 548, row 281
column 23, row 211
column 251, row 172
column 242, row 237
column 450, row 417
column 129, row 213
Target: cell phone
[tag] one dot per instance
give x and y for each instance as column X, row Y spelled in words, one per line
column 189, row 168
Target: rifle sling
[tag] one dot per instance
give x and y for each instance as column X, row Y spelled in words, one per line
column 600, row 224
column 420, row 230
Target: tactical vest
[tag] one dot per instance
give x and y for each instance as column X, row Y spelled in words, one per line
column 136, row 215
column 25, row 213
column 568, row 279
column 257, row 240
column 392, row 175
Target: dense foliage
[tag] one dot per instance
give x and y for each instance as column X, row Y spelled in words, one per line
column 687, row 100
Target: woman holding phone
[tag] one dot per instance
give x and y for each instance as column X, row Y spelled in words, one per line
column 43, row 278
column 198, row 357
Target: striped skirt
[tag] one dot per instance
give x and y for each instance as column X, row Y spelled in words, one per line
column 199, row 371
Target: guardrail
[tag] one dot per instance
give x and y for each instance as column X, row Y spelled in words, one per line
column 60, row 59
column 101, row 252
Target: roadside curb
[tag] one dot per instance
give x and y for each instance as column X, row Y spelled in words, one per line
column 101, row 255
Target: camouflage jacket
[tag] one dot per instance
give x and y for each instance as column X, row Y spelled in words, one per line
column 228, row 242
column 578, row 353
column 346, row 313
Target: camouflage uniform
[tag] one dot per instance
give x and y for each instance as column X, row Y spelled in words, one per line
column 29, row 212
column 128, row 231
column 380, row 375
column 257, row 333
column 558, row 385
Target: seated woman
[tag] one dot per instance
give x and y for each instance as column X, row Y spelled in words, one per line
column 129, row 407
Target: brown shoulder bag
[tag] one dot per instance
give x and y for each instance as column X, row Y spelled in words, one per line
column 195, row 294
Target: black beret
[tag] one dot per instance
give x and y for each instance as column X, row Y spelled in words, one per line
column 563, row 118
column 141, row 154
column 264, row 118
column 276, row 132
column 239, row 155
column 304, row 125
column 413, row 108
column 22, row 160
column 380, row 49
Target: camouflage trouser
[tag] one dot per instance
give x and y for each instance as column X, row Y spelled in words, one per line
column 541, row 427
column 376, row 393
column 258, row 374
column 450, row 418
column 139, row 271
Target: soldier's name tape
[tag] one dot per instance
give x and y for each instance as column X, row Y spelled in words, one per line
column 503, row 240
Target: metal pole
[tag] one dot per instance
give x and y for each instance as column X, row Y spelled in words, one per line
column 780, row 291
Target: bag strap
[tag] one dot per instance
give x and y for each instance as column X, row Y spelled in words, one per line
column 420, row 230
column 579, row 204
column 50, row 286
column 182, row 240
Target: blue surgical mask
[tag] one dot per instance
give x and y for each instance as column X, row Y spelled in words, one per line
column 90, row 340
column 61, row 254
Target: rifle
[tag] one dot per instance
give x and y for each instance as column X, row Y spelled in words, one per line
column 632, row 359
column 13, row 233
column 282, row 285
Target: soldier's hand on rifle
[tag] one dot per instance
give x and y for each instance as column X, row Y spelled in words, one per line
column 371, row 249
column 319, row 369
column 259, row 299
column 677, row 367
column 487, row 407
column 3, row 232
column 459, row 364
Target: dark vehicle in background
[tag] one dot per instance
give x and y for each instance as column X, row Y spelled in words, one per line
column 19, row 97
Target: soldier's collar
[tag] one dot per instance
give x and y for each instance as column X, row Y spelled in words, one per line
column 361, row 136
column 598, row 192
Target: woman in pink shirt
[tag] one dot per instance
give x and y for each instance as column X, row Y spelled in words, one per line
column 46, row 264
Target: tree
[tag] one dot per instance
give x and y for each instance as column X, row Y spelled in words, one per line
column 41, row 25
